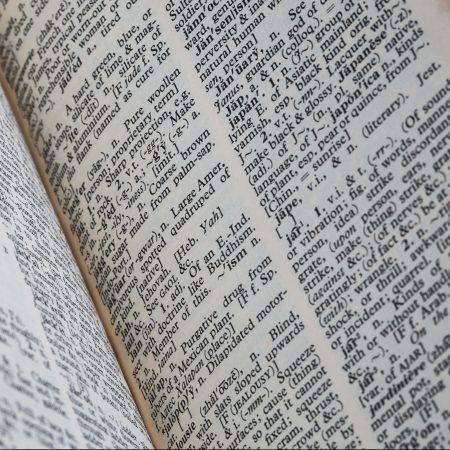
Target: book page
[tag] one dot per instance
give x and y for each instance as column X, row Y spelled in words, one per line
column 34, row 411
column 258, row 189
column 60, row 386
column 339, row 115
